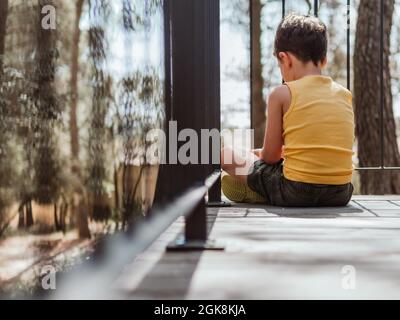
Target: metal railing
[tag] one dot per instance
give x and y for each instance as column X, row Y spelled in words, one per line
column 94, row 279
column 316, row 6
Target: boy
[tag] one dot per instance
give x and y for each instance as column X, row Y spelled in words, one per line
column 306, row 159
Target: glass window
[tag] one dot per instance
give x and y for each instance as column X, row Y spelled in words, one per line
column 82, row 85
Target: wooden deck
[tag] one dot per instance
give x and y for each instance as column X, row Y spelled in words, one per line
column 279, row 253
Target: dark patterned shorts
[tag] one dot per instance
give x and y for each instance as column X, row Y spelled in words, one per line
column 269, row 181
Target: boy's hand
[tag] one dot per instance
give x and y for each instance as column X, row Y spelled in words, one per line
column 257, row 152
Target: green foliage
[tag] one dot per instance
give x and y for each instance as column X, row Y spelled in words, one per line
column 97, row 150
column 46, row 116
column 11, row 90
column 33, row 161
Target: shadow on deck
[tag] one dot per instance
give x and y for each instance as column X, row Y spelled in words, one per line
column 279, row 253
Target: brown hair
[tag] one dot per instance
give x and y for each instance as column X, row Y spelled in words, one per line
column 304, row 36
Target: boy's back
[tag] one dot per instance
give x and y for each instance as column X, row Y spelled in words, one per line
column 318, row 131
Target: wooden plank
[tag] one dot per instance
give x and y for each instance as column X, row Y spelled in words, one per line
column 277, row 253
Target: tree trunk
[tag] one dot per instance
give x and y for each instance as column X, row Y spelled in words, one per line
column 97, row 133
column 3, row 105
column 3, row 29
column 29, row 214
column 116, row 187
column 63, row 214
column 258, row 118
column 73, row 123
column 48, row 110
column 56, row 221
column 21, row 217
column 367, row 100
column 82, row 219
column 80, row 208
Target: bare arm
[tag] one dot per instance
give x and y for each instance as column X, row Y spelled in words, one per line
column 273, row 141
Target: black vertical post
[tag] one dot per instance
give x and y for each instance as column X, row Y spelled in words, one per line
column 348, row 74
column 188, row 26
column 214, row 88
column 382, row 77
column 165, row 190
column 316, row 7
column 251, row 62
column 192, row 67
column 196, row 225
column 283, row 16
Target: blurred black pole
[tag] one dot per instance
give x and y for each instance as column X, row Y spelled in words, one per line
column 213, row 91
column 316, row 7
column 348, row 46
column 192, row 89
column 192, row 97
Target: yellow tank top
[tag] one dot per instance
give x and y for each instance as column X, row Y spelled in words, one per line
column 318, row 131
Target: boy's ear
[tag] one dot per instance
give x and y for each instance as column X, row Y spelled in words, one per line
column 284, row 58
column 324, row 62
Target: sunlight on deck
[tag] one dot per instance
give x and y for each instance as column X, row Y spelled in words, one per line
column 279, row 253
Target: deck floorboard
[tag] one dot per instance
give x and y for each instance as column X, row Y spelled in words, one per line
column 279, row 253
